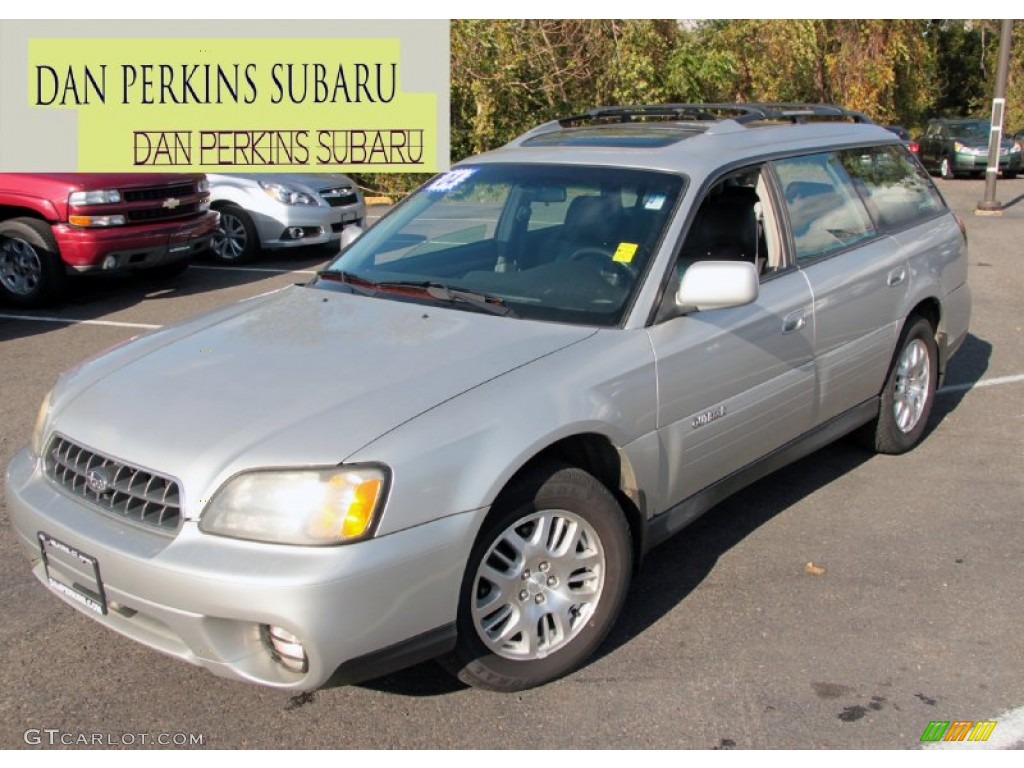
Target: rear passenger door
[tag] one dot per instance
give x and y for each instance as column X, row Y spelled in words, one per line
column 858, row 275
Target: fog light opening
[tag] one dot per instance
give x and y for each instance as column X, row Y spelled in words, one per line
column 285, row 648
column 110, row 262
column 295, row 233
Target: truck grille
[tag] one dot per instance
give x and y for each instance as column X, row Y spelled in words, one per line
column 158, row 193
column 339, row 196
column 162, row 214
column 113, row 486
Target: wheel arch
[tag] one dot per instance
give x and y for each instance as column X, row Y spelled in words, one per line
column 596, row 454
column 930, row 309
column 17, row 211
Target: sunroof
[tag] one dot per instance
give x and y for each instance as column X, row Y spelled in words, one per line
column 614, row 136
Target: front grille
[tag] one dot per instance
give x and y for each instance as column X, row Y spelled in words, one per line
column 162, row 214
column 158, row 193
column 122, row 489
column 339, row 197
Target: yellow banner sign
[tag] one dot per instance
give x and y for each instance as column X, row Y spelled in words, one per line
column 233, row 104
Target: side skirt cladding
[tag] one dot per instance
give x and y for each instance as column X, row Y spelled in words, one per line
column 668, row 523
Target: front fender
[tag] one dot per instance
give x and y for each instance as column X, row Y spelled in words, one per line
column 459, row 455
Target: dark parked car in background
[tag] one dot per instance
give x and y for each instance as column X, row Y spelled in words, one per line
column 904, row 135
column 959, row 147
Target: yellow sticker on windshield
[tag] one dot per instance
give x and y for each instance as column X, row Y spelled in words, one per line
column 625, row 252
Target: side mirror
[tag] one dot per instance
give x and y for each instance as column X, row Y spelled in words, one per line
column 717, row 285
column 350, row 234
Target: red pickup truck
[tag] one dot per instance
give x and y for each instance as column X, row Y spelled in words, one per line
column 55, row 224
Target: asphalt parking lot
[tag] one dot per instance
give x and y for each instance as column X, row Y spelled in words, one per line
column 911, row 613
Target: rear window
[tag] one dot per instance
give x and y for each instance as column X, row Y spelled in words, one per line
column 896, row 190
column 825, row 212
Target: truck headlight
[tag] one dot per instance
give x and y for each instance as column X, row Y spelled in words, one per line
column 285, row 194
column 95, row 197
column 311, row 507
column 39, row 430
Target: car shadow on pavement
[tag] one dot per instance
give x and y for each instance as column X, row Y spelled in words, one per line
column 676, row 568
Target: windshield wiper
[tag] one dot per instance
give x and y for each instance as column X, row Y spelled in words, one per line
column 352, row 281
column 439, row 291
column 483, row 301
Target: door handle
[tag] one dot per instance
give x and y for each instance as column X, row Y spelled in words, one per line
column 897, row 276
column 794, row 321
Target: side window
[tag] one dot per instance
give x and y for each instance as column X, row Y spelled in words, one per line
column 825, row 212
column 734, row 222
column 897, row 190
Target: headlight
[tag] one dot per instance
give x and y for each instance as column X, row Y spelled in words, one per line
column 1015, row 147
column 95, row 197
column 315, row 507
column 203, row 186
column 285, row 194
column 39, row 430
column 958, row 147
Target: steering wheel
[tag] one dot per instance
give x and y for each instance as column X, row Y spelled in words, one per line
column 603, row 259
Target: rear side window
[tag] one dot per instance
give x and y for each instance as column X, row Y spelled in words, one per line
column 897, row 190
column 825, row 212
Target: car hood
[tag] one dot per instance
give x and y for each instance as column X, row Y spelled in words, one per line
column 304, row 182
column 300, row 377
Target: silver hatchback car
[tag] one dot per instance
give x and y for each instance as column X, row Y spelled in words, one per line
column 460, row 439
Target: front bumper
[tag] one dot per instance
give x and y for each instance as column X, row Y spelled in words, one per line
column 204, row 598
column 135, row 246
column 971, row 163
column 321, row 224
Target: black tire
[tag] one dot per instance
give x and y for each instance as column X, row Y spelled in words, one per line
column 1009, row 174
column 31, row 271
column 236, row 240
column 902, row 417
column 549, row 576
column 167, row 271
column 946, row 168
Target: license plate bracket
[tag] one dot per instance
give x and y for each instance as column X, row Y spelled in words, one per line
column 72, row 573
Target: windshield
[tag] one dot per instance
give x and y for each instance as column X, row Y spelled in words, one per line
column 973, row 129
column 561, row 243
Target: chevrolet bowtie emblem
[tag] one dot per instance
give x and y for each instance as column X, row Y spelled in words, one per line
column 172, row 202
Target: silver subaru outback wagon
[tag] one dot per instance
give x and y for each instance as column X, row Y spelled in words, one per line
column 460, row 438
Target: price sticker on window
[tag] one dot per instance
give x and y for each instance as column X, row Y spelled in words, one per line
column 625, row 252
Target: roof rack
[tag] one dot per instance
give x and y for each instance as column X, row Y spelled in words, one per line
column 745, row 112
column 740, row 112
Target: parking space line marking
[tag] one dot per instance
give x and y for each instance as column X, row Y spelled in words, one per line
column 257, row 269
column 983, row 383
column 75, row 321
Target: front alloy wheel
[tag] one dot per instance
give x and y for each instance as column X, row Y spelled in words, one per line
column 21, row 269
column 544, row 583
column 538, row 585
column 31, row 270
column 235, row 240
column 946, row 168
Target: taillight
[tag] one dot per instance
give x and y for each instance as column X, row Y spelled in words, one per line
column 914, row 147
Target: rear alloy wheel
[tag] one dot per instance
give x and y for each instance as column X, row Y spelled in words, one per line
column 909, row 392
column 545, row 582
column 235, row 241
column 31, row 271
